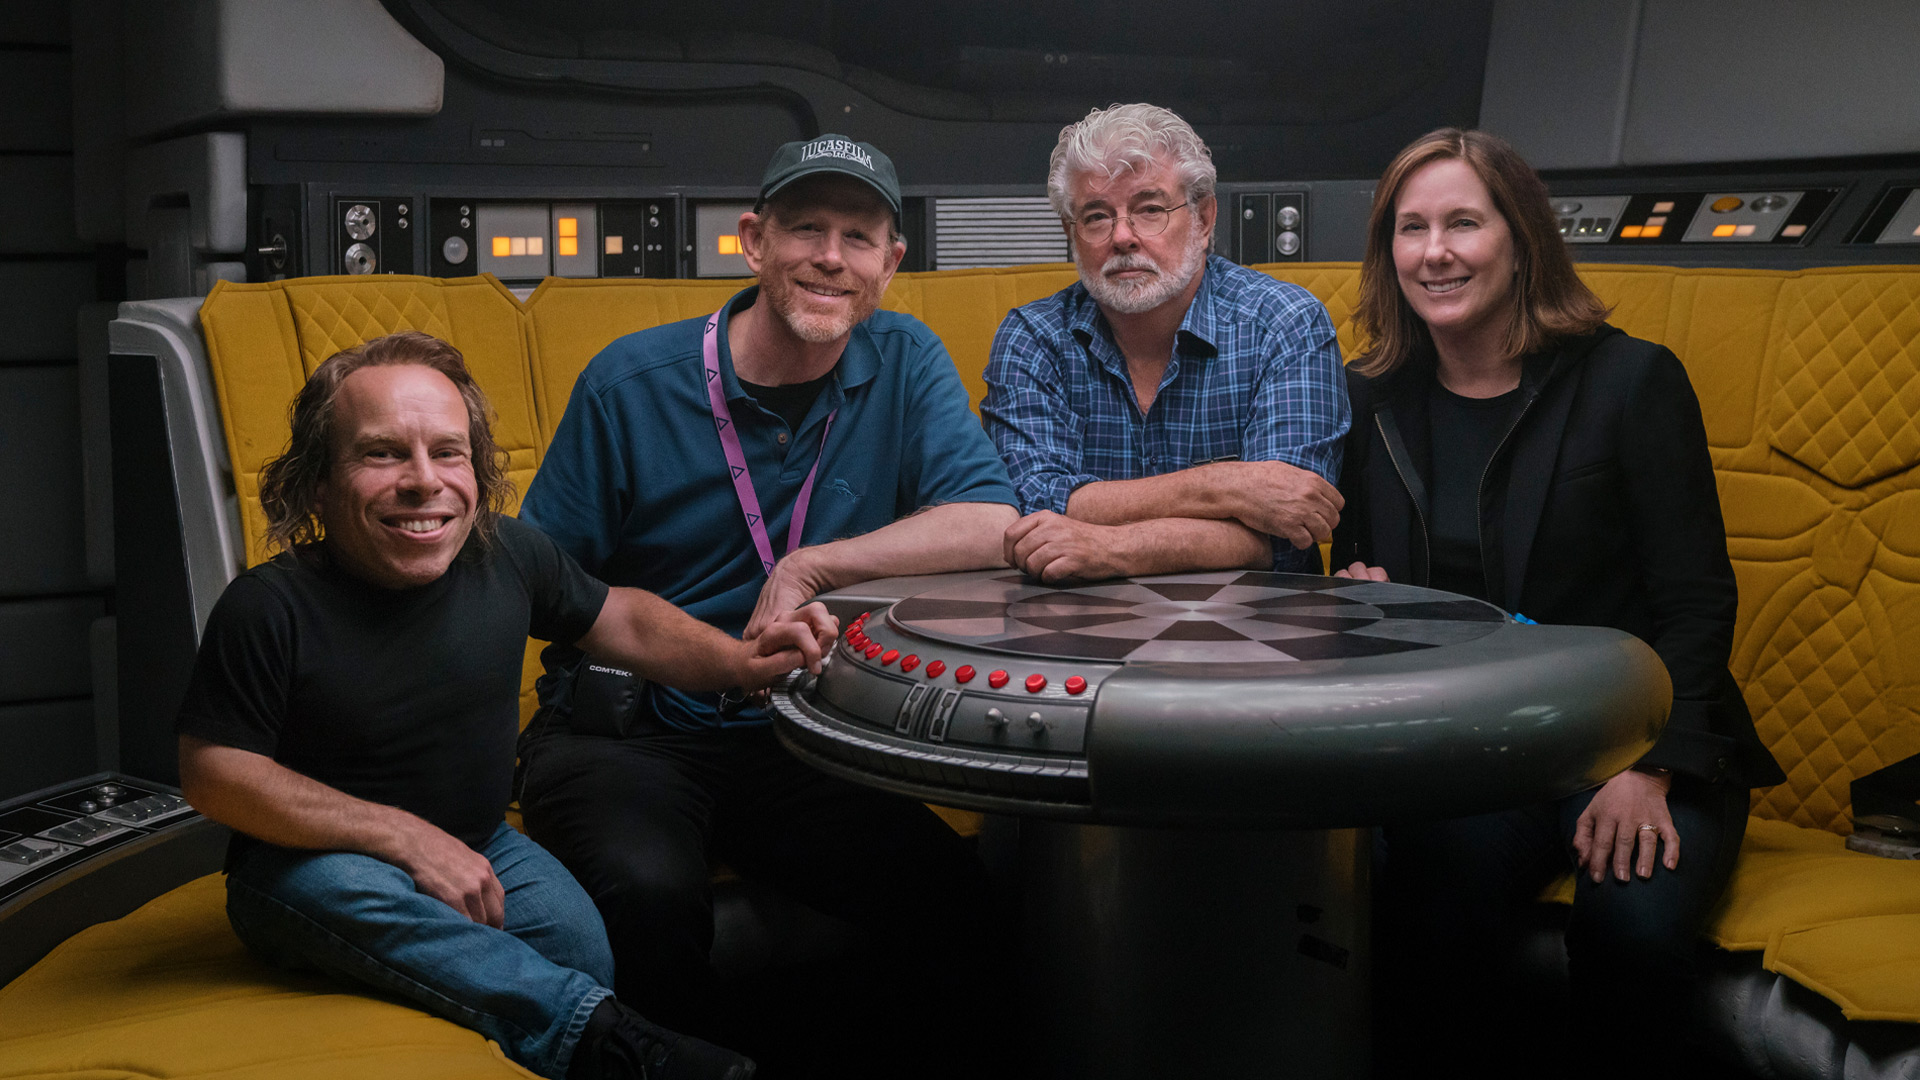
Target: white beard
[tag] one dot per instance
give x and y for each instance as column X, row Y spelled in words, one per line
column 1141, row 296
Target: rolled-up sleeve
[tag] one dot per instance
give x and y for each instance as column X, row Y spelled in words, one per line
column 1300, row 413
column 1027, row 414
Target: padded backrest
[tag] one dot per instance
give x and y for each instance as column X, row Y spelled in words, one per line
column 1830, row 535
column 264, row 340
column 569, row 320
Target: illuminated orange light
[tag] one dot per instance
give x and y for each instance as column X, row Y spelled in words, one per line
column 1630, row 232
column 614, row 244
column 1723, row 230
column 502, row 247
column 1650, row 232
column 569, row 226
column 569, row 245
column 730, row 245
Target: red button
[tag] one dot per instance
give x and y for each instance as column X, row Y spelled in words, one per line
column 937, row 668
column 996, row 679
column 963, row 673
column 864, row 615
column 1036, row 683
column 873, row 649
column 889, row 657
column 1076, row 685
column 908, row 663
column 857, row 639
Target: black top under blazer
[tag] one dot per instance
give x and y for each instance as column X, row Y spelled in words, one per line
column 1598, row 509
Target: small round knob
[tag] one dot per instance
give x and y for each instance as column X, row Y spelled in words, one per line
column 996, row 718
column 1288, row 217
column 1036, row 723
column 455, row 250
column 1289, row 243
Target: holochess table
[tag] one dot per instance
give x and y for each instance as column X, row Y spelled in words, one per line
column 1197, row 758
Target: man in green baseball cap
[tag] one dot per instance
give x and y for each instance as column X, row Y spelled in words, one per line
column 795, row 441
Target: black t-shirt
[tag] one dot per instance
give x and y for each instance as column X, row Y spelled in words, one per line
column 404, row 697
column 1466, row 432
column 790, row 402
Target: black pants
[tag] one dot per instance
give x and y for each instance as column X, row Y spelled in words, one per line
column 637, row 820
column 1452, row 894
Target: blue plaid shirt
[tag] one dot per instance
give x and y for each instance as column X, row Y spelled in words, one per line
column 1255, row 376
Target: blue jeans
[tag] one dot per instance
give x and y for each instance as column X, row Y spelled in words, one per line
column 529, row 987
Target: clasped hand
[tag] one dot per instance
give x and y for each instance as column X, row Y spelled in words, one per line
column 1278, row 499
column 1053, row 547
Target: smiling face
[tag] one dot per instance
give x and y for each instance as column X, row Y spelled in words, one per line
column 400, row 496
column 1454, row 256
column 824, row 253
column 1125, row 271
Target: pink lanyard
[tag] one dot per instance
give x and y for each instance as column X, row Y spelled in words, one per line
column 737, row 457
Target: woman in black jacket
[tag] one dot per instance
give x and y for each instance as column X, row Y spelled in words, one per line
column 1507, row 444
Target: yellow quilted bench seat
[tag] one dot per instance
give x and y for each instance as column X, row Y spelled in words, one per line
column 169, row 991
column 1808, row 384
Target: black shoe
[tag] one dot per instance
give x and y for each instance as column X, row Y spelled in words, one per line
column 620, row 1044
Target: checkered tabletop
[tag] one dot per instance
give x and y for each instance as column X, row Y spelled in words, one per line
column 1228, row 617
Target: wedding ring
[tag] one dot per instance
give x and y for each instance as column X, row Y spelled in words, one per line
column 1649, row 828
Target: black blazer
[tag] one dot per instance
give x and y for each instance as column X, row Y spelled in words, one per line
column 1598, row 509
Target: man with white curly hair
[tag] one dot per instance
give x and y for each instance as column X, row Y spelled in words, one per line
column 1172, row 411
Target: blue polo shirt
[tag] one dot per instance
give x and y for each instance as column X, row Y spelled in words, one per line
column 635, row 485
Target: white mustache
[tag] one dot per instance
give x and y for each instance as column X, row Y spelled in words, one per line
column 1129, row 261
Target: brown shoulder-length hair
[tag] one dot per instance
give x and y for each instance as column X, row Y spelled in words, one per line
column 290, row 484
column 1550, row 302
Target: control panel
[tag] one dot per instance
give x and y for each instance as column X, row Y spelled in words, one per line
column 1270, row 226
column 1693, row 217
column 51, row 831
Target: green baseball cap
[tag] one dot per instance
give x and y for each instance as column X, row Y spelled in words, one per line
column 835, row 154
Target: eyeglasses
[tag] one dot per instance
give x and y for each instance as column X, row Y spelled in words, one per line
column 1096, row 226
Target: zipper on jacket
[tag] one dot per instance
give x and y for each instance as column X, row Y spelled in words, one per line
column 1480, row 491
column 1426, row 542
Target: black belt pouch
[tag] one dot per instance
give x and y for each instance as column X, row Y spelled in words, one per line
column 605, row 699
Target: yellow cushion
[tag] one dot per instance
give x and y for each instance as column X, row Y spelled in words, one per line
column 1790, row 878
column 569, row 320
column 169, row 991
column 1870, row 967
column 263, row 341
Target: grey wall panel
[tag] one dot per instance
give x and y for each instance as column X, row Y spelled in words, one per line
column 33, row 22
column 42, row 532
column 38, row 91
column 1557, row 78
column 37, row 322
column 1765, row 80
column 46, row 744
column 205, row 60
column 44, row 647
column 36, row 217
column 99, row 111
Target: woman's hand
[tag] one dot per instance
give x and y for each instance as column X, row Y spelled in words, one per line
column 1614, row 824
column 1360, row 571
